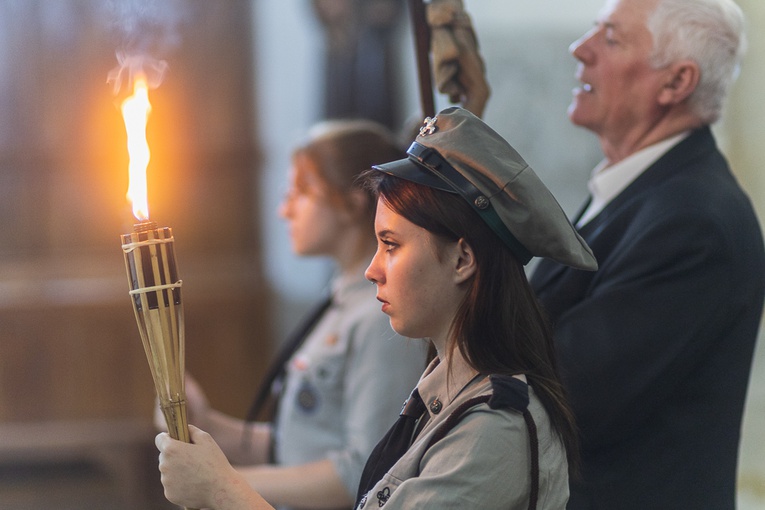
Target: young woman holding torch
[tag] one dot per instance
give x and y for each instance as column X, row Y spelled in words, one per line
column 487, row 426
column 351, row 372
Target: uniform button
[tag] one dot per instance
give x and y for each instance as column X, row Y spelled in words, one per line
column 481, row 202
column 436, row 406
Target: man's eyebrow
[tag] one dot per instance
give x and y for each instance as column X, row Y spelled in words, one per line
column 604, row 23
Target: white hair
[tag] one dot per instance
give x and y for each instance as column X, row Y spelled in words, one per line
column 709, row 32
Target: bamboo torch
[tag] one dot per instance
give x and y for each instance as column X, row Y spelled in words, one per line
column 152, row 274
column 156, row 295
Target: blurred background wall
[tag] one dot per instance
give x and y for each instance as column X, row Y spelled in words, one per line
column 246, row 79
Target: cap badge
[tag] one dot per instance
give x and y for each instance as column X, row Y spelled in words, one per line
column 430, row 126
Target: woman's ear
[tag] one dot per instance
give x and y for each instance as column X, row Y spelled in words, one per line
column 358, row 201
column 465, row 266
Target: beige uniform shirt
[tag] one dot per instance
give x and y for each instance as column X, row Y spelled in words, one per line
column 483, row 463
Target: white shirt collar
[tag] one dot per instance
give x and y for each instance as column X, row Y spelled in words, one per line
column 606, row 182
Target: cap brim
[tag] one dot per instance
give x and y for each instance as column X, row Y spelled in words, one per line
column 410, row 170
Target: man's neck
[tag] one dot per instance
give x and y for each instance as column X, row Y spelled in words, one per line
column 619, row 148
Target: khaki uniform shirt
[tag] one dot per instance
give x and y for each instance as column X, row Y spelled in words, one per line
column 482, row 463
column 344, row 386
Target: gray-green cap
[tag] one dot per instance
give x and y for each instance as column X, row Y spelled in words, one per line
column 457, row 152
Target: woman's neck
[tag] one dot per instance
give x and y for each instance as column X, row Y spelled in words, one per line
column 441, row 351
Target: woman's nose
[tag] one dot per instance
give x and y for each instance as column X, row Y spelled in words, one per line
column 284, row 209
column 372, row 272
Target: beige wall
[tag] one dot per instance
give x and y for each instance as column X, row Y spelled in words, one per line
column 743, row 130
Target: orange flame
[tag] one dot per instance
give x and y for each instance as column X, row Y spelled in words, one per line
column 135, row 112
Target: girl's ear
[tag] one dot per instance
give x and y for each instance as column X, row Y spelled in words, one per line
column 358, row 201
column 465, row 266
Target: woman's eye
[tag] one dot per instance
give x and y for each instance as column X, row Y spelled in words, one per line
column 389, row 245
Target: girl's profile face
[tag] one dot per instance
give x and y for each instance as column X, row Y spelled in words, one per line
column 315, row 223
column 413, row 271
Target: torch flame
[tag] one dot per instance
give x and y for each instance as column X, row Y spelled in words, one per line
column 135, row 112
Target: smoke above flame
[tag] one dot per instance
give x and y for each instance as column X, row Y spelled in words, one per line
column 150, row 70
column 144, row 30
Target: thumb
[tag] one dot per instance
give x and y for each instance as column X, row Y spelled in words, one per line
column 198, row 436
column 161, row 440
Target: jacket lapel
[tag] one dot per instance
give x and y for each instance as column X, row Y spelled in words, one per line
column 696, row 144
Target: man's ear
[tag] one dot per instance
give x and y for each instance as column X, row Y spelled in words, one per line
column 465, row 263
column 682, row 79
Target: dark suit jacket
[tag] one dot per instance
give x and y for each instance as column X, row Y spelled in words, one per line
column 656, row 346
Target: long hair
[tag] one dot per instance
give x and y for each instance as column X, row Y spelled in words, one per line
column 499, row 327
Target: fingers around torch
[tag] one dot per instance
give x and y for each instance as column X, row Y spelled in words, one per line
column 189, row 472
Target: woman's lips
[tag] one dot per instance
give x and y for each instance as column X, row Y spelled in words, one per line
column 385, row 304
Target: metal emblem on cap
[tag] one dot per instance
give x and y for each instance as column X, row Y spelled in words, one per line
column 430, row 126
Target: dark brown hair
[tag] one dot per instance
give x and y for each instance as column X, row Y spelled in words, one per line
column 499, row 327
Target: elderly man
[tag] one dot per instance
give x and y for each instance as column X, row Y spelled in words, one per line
column 656, row 346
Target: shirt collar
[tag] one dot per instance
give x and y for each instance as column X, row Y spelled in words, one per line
column 346, row 285
column 606, row 182
column 438, row 383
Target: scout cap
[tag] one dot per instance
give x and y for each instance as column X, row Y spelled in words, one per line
column 458, row 153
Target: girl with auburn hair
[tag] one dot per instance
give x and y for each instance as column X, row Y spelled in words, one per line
column 340, row 377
